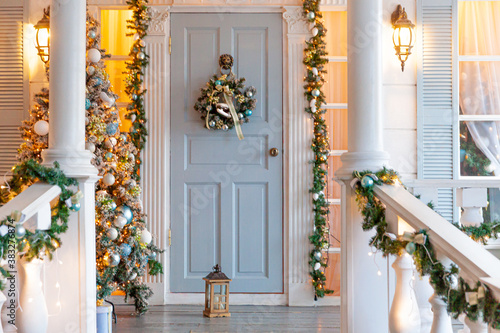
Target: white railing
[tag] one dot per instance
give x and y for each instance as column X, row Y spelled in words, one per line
column 34, row 205
column 404, row 212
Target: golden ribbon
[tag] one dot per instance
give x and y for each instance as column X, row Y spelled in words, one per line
column 236, row 121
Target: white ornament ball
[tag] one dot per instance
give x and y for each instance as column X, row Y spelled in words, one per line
column 113, row 141
column 314, row 109
column 132, row 117
column 112, row 233
column 317, row 266
column 312, row 103
column 108, row 144
column 94, row 55
column 315, row 196
column 102, row 192
column 314, row 31
column 90, row 147
column 314, row 71
column 104, row 97
column 120, row 221
column 90, row 70
column 108, row 179
column 41, row 127
column 146, row 237
column 132, row 276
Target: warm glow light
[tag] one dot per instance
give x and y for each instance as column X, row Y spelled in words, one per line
column 43, row 37
column 403, row 36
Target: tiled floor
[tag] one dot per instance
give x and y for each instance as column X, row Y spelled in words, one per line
column 189, row 318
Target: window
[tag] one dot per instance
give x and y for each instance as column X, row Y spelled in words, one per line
column 335, row 90
column 479, row 87
column 117, row 44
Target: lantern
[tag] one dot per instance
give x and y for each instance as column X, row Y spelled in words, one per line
column 216, row 294
column 43, row 36
column 403, row 36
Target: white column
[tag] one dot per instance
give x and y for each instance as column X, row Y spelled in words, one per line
column 404, row 316
column 298, row 133
column 76, row 257
column 365, row 124
column 67, row 88
column 364, row 294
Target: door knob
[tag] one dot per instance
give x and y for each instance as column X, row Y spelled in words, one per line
column 274, row 152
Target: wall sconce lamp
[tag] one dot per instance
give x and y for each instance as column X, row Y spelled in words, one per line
column 403, row 36
column 43, row 36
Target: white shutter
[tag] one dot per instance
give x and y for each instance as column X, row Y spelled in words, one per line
column 13, row 88
column 436, row 97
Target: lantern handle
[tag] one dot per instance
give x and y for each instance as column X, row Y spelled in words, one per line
column 216, row 268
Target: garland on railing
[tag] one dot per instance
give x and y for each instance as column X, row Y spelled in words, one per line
column 314, row 59
column 134, row 82
column 460, row 297
column 40, row 243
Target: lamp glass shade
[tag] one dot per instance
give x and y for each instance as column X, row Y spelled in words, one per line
column 42, row 43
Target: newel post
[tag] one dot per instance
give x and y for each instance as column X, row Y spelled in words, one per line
column 75, row 310
column 364, row 294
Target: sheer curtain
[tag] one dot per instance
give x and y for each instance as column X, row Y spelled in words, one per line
column 479, row 31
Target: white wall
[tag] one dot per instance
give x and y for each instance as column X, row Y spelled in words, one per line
column 400, row 98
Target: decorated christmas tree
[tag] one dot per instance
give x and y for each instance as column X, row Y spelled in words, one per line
column 124, row 248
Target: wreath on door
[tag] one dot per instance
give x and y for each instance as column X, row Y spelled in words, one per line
column 225, row 102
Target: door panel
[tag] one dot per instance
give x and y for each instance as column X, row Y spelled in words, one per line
column 226, row 193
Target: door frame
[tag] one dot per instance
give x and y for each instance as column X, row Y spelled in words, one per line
column 297, row 136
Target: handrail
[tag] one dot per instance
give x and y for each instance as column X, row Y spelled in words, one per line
column 33, row 202
column 482, row 182
column 445, row 238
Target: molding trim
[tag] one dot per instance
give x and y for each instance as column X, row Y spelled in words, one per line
column 295, row 21
column 160, row 19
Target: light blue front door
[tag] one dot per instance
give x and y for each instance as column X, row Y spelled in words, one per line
column 226, row 205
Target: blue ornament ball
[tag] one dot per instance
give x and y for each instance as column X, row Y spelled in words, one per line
column 315, row 93
column 92, row 34
column 218, row 83
column 318, row 255
column 126, row 212
column 152, row 256
column 111, row 128
column 75, row 207
column 366, row 181
column 20, row 231
column 98, row 82
column 311, row 16
column 411, row 247
column 462, row 155
column 126, row 249
column 87, row 103
column 113, row 205
column 248, row 113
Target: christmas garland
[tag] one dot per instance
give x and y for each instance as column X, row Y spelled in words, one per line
column 475, row 301
column 314, row 59
column 39, row 243
column 213, row 104
column 136, row 71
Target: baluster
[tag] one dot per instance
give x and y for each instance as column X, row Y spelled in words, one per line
column 424, row 291
column 442, row 321
column 472, row 200
column 465, row 329
column 478, row 326
column 404, row 316
column 33, row 315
